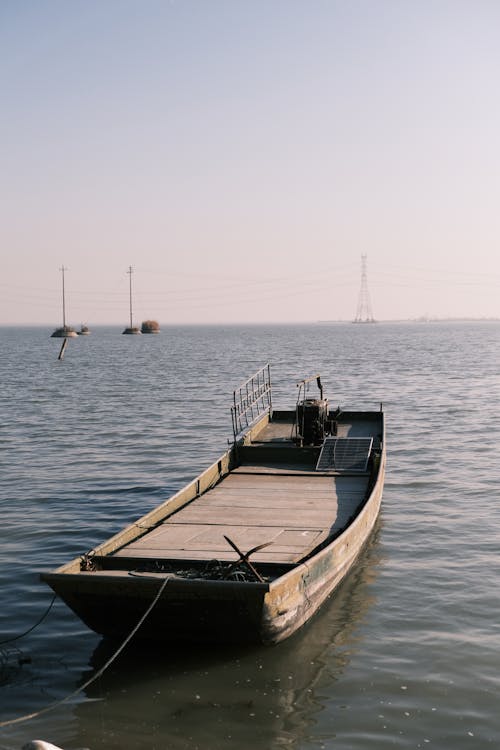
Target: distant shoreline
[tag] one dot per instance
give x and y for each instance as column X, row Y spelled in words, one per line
column 418, row 320
column 368, row 324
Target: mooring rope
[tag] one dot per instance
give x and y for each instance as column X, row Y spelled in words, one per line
column 42, row 618
column 94, row 677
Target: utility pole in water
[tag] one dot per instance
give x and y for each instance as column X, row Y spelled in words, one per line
column 130, row 328
column 130, row 292
column 63, row 269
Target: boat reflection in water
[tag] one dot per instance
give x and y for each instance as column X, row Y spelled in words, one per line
column 215, row 697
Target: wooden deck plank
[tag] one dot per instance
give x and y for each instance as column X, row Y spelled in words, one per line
column 271, row 501
column 277, row 469
column 236, row 479
column 270, row 481
column 280, row 496
column 299, row 518
column 269, row 491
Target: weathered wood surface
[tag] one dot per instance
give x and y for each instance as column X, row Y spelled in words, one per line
column 294, row 513
column 283, row 431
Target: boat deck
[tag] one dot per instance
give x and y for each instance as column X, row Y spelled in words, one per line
column 295, row 513
column 282, row 430
column 275, row 496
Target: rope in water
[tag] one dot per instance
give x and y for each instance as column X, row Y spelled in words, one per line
column 42, row 618
column 94, row 677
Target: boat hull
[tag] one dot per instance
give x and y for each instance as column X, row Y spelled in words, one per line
column 303, row 517
column 111, row 603
column 187, row 611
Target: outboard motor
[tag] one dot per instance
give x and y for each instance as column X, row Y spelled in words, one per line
column 312, row 415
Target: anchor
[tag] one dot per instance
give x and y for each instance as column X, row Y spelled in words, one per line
column 244, row 558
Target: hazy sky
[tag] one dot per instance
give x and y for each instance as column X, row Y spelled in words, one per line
column 242, row 155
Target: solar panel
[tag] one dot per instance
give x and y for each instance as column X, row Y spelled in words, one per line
column 344, row 454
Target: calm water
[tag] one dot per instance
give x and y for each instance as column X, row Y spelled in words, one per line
column 407, row 655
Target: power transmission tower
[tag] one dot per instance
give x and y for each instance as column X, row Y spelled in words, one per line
column 364, row 312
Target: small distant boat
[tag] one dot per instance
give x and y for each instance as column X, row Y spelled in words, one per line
column 84, row 331
column 65, row 331
column 150, row 326
column 250, row 549
column 131, row 329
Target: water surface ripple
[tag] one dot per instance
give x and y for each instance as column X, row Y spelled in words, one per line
column 407, row 655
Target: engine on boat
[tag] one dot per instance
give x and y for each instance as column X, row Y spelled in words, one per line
column 312, row 420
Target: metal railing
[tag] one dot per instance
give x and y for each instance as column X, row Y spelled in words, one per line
column 251, row 400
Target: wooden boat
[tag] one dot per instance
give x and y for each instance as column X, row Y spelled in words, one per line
column 251, row 548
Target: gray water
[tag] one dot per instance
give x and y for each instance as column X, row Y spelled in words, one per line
column 406, row 655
